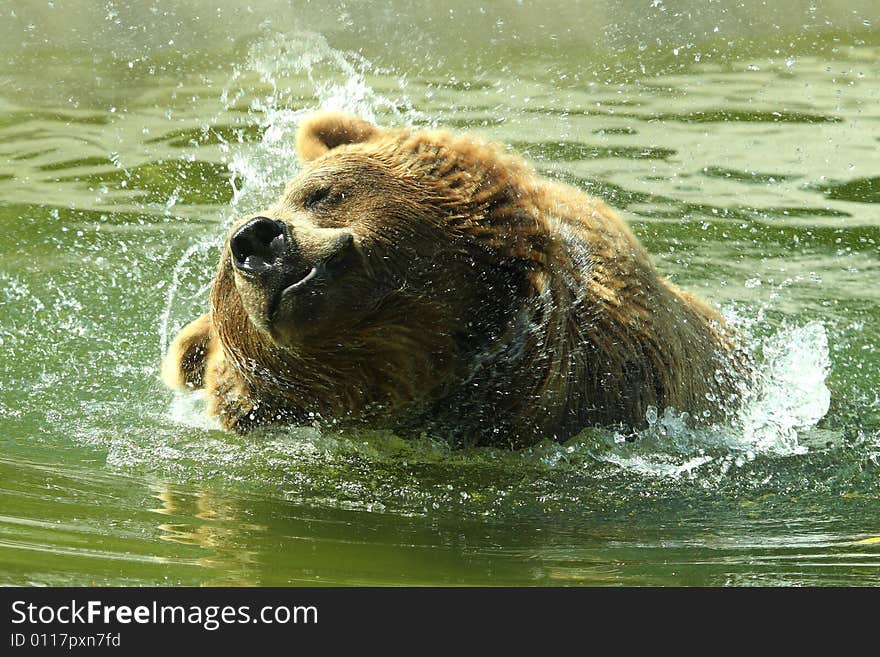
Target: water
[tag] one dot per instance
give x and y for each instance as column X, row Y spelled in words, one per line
column 745, row 157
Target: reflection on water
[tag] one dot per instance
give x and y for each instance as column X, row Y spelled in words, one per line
column 207, row 520
column 745, row 160
column 93, row 532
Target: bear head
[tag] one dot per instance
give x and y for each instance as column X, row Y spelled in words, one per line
column 389, row 262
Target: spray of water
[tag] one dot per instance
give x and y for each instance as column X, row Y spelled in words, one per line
column 302, row 73
column 787, row 397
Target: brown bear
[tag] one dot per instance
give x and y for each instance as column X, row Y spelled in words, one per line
column 424, row 281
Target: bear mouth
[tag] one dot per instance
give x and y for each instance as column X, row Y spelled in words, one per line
column 303, row 281
column 295, row 290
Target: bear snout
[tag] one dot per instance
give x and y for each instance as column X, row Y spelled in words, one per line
column 270, row 254
column 257, row 245
column 284, row 269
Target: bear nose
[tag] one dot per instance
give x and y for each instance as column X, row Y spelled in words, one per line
column 257, row 244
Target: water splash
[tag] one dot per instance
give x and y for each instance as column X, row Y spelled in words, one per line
column 188, row 410
column 184, row 268
column 792, row 395
column 787, row 398
column 303, row 74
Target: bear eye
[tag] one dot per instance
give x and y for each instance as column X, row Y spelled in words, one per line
column 320, row 196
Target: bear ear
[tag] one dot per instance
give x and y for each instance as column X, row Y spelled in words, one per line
column 184, row 364
column 327, row 130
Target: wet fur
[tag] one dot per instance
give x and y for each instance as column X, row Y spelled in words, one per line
column 542, row 316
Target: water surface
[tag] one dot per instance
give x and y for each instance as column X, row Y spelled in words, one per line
column 743, row 146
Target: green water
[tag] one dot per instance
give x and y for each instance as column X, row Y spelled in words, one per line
column 742, row 144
